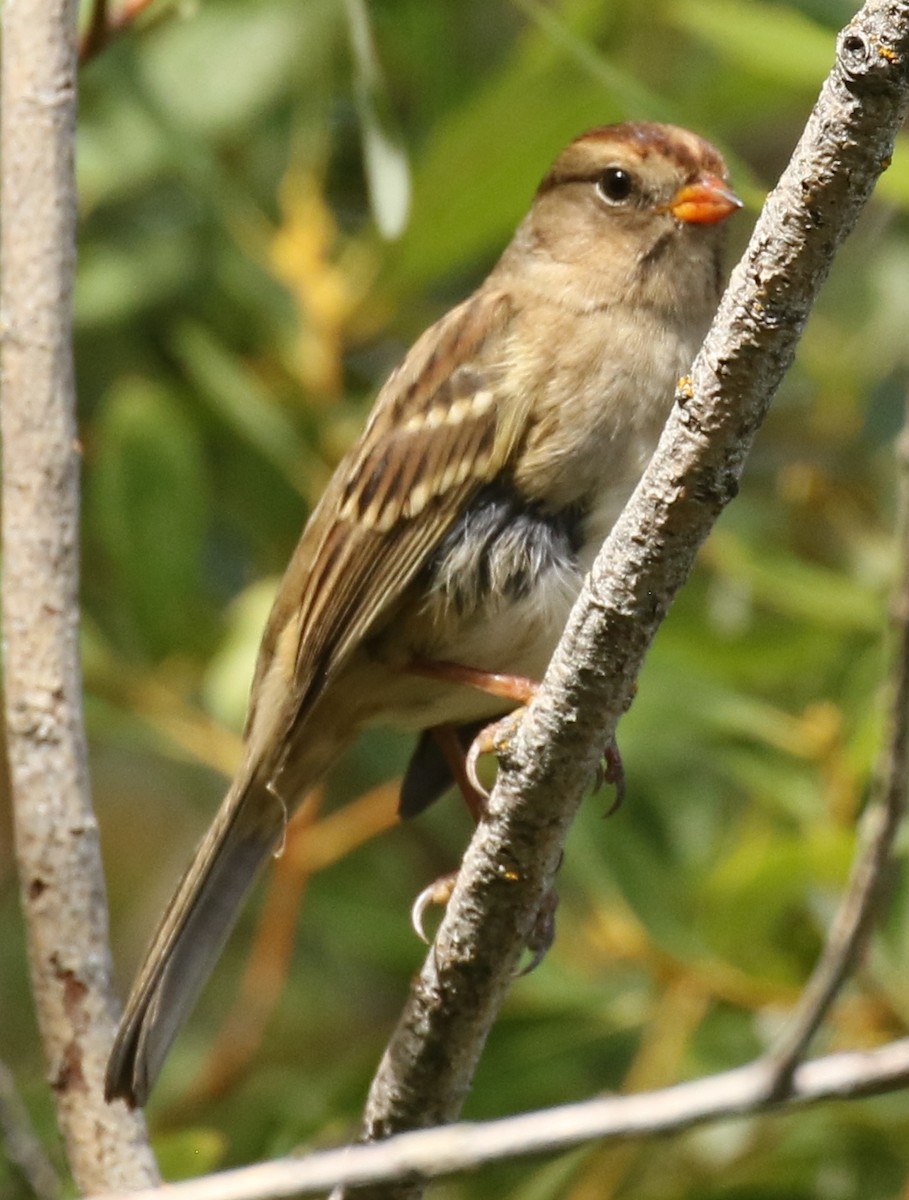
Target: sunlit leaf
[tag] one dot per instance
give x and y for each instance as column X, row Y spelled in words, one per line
column 226, row 683
column 236, row 394
column 387, row 168
column 187, row 1153
column 149, row 504
column 773, row 41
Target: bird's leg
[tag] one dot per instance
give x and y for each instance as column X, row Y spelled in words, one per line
column 516, row 688
column 475, row 796
column 494, row 737
column 490, row 739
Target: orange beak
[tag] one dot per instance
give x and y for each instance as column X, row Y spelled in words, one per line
column 705, row 202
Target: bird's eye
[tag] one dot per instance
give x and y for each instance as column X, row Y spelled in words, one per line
column 615, row 184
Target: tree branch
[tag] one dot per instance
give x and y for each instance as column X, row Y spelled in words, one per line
column 514, row 855
column 22, row 1144
column 850, row 929
column 56, row 836
column 448, row 1149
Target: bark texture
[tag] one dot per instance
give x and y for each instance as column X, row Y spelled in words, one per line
column 56, row 835
column 847, row 143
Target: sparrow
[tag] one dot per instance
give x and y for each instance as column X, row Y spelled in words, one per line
column 435, row 575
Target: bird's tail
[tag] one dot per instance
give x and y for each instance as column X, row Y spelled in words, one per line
column 248, row 828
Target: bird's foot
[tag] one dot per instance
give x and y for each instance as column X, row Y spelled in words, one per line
column 611, row 770
column 540, row 938
column 492, row 739
column 438, row 893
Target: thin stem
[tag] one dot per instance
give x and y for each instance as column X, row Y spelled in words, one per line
column 22, row 1145
column 451, row 1149
column 850, row 930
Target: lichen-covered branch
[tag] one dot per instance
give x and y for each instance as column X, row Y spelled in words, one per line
column 62, row 886
column 514, row 855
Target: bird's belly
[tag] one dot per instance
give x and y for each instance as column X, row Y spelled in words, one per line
column 495, row 597
column 509, row 635
column 513, row 634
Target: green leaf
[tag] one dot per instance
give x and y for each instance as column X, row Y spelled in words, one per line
column 230, row 671
column 240, row 399
column 190, row 1153
column 148, row 504
column 384, row 156
column 770, row 41
column 797, row 588
column 227, row 62
column 476, row 187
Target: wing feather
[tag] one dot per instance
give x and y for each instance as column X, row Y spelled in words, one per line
column 439, row 430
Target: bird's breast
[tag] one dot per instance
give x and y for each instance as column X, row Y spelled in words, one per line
column 601, row 398
column 497, row 591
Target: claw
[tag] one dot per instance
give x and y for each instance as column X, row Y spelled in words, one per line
column 477, row 749
column 438, row 893
column 612, row 770
column 493, row 739
column 490, row 740
column 542, row 935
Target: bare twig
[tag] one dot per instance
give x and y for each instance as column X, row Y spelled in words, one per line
column 433, row 1153
column 850, row 929
column 510, row 864
column 22, row 1145
column 56, row 836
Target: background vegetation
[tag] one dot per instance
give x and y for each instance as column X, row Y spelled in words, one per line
column 237, row 309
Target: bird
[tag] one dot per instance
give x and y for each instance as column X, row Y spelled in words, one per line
column 433, row 578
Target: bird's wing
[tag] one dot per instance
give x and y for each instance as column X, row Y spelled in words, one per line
column 441, row 427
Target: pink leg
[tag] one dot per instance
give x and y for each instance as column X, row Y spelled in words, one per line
column 517, row 688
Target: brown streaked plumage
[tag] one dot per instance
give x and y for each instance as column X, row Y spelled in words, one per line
column 458, row 528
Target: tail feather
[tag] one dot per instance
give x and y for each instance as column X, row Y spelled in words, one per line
column 192, row 933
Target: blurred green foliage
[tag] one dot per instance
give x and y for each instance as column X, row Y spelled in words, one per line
column 237, row 309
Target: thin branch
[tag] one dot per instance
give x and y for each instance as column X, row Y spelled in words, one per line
column 449, row 1149
column 512, row 860
column 850, row 930
column 22, row 1145
column 61, row 882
